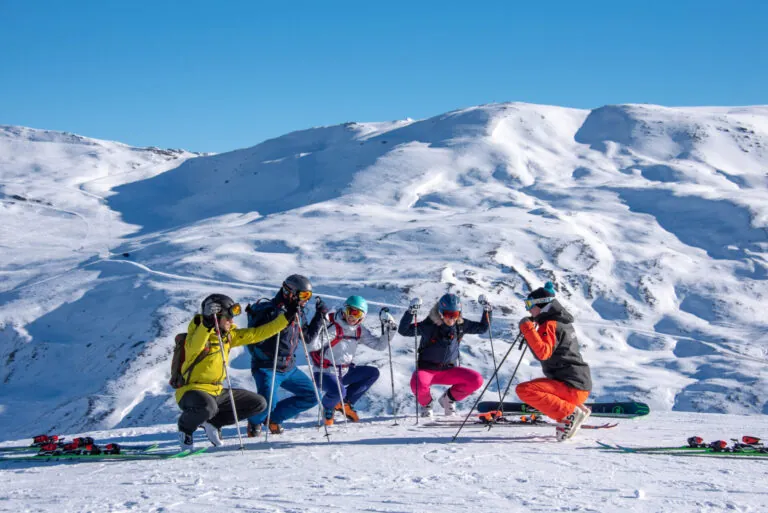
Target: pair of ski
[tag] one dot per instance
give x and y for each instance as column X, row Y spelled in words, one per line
column 525, row 421
column 134, row 452
column 748, row 448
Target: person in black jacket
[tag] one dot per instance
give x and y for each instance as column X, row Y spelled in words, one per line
column 281, row 350
column 550, row 335
column 438, row 354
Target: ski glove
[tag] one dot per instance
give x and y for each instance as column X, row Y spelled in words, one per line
column 290, row 310
column 415, row 304
column 484, row 302
column 321, row 307
column 388, row 322
column 211, row 309
column 523, row 321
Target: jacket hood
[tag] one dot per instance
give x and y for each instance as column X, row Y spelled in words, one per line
column 555, row 312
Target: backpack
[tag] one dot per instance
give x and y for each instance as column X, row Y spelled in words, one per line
column 178, row 378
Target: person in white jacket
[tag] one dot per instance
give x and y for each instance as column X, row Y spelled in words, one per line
column 335, row 357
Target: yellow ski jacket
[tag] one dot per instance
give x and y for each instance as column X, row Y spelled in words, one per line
column 209, row 374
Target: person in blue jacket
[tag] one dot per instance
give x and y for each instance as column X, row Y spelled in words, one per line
column 281, row 350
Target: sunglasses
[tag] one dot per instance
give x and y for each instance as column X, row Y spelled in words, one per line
column 354, row 313
column 451, row 315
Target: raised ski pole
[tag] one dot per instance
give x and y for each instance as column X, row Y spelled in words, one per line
column 385, row 310
column 272, row 388
column 414, row 312
column 487, row 311
column 495, row 373
column 229, row 384
column 311, row 374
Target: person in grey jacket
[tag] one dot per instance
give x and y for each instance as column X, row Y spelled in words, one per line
column 564, row 389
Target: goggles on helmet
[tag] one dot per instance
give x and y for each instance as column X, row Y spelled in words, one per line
column 232, row 311
column 447, row 314
column 530, row 303
column 304, row 295
column 353, row 313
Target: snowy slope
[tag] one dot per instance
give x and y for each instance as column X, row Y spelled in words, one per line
column 377, row 467
column 650, row 220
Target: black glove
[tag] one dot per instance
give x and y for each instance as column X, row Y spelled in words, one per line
column 321, row 307
column 290, row 310
column 208, row 322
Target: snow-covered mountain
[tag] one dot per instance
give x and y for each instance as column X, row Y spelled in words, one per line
column 651, row 221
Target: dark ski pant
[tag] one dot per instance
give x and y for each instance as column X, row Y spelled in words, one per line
column 354, row 384
column 294, row 381
column 198, row 407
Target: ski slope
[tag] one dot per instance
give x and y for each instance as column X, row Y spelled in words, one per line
column 651, row 221
column 375, row 466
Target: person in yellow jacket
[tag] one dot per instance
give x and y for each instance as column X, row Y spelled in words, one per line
column 203, row 399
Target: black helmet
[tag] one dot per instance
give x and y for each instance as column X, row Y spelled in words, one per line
column 296, row 284
column 228, row 306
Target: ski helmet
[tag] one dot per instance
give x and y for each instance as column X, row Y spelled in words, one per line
column 449, row 303
column 357, row 302
column 228, row 306
column 541, row 296
column 295, row 284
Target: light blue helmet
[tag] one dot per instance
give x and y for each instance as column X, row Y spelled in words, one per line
column 357, row 302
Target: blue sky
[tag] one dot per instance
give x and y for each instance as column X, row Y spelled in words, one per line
column 216, row 76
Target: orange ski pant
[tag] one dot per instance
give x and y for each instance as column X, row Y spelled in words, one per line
column 553, row 398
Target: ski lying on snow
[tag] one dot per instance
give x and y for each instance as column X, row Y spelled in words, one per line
column 510, row 423
column 123, row 448
column 104, row 457
column 686, row 451
column 626, row 410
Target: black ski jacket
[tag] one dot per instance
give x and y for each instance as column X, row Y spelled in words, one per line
column 439, row 344
column 262, row 357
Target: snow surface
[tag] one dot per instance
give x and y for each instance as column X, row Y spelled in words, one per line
column 651, row 221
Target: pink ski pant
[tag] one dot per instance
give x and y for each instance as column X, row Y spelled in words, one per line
column 464, row 381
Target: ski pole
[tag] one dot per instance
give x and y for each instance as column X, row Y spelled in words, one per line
column 495, row 372
column 272, row 388
column 487, row 308
column 311, row 374
column 229, row 384
column 322, row 361
column 415, row 311
column 336, row 372
column 509, row 385
column 385, row 310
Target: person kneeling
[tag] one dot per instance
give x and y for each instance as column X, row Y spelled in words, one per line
column 550, row 335
column 343, row 383
column 200, row 375
column 441, row 333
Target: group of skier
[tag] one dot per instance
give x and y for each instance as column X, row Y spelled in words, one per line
column 277, row 327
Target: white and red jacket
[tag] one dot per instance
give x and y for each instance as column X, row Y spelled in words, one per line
column 344, row 340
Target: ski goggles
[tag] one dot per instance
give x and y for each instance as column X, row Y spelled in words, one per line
column 530, row 303
column 450, row 315
column 232, row 312
column 353, row 313
column 304, row 295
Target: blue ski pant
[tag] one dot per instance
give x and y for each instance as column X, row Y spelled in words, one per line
column 294, row 381
column 354, row 384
